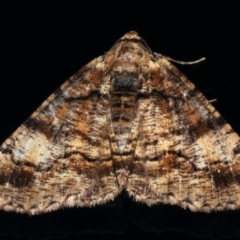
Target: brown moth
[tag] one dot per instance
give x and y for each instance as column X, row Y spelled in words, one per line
column 127, row 120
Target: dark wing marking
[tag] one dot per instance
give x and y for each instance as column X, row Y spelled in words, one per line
column 61, row 155
column 185, row 154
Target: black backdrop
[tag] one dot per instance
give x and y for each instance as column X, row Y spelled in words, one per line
column 43, row 45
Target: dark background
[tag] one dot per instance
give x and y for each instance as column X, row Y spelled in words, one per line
column 42, row 45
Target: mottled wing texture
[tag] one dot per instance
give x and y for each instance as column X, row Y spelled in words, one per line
column 185, row 153
column 61, row 155
column 127, row 120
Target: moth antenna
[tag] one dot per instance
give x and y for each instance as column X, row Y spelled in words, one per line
column 212, row 100
column 180, row 62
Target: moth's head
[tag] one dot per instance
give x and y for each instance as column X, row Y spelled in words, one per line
column 131, row 35
column 128, row 53
column 129, row 42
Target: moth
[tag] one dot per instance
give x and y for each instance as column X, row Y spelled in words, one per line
column 127, row 120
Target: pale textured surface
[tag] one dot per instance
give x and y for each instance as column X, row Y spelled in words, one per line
column 127, row 120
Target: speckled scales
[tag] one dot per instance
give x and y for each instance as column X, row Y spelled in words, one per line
column 127, row 120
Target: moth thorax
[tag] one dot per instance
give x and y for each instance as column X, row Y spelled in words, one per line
column 124, row 90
